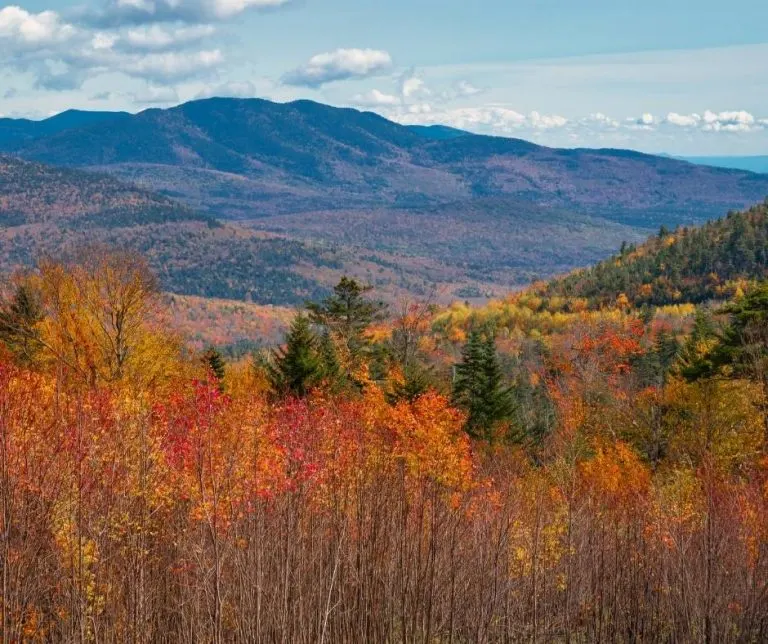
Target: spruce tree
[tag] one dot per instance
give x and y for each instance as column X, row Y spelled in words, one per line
column 297, row 367
column 417, row 380
column 478, row 387
column 347, row 314
column 19, row 319
column 215, row 364
column 332, row 373
column 741, row 350
column 744, row 344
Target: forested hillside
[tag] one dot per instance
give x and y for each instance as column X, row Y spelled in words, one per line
column 387, row 474
column 682, row 265
column 31, row 193
column 459, row 251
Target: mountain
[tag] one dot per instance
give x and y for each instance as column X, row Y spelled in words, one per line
column 505, row 241
column 50, row 210
column 15, row 132
column 307, row 192
column 57, row 211
column 752, row 164
column 250, row 158
column 684, row 265
column 437, row 132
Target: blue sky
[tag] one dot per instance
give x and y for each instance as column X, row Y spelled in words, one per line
column 681, row 76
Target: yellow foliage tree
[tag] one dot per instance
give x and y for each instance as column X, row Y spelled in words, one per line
column 101, row 320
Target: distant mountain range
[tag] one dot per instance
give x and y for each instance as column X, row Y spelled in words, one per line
column 752, row 164
column 340, row 190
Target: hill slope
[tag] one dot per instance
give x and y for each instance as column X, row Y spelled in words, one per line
column 56, row 211
column 686, row 265
column 34, row 193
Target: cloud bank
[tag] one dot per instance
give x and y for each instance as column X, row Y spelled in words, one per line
column 59, row 55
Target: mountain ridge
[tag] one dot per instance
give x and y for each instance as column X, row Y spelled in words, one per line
column 303, row 156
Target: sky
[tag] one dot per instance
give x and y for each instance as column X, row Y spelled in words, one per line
column 685, row 77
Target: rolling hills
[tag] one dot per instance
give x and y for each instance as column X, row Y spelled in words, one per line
column 55, row 211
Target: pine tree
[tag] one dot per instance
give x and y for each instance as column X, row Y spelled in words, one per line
column 695, row 359
column 297, row 368
column 478, row 387
column 215, row 363
column 744, row 345
column 19, row 319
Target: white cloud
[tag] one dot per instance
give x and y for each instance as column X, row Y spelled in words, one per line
column 234, row 89
column 172, row 66
column 342, row 64
column 419, row 108
column 546, row 122
column 645, row 121
column 597, row 127
column 62, row 56
column 19, row 27
column 485, row 119
column 709, row 121
column 158, row 37
column 682, row 120
column 601, row 119
column 153, row 95
column 740, row 121
column 465, row 88
column 375, row 98
column 412, row 86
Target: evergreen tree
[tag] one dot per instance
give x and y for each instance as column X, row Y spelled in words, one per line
column 19, row 319
column 741, row 350
column 653, row 367
column 347, row 314
column 332, row 373
column 695, row 358
column 215, row 363
column 744, row 344
column 478, row 387
column 297, row 367
column 417, row 380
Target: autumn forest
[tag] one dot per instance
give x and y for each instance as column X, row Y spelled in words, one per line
column 581, row 461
